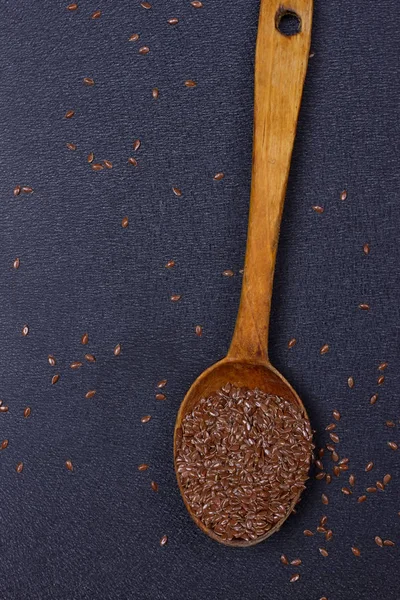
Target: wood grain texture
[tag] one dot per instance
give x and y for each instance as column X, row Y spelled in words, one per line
column 281, row 64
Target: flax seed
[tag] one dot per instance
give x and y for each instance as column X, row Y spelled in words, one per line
column 383, row 366
column 343, row 195
column 90, row 358
column 371, row 490
column 296, row 576
column 125, row 222
column 219, row 176
column 197, row 4
column 228, row 273
column 366, row 249
column 136, row 145
column 318, row 209
column 336, row 415
column 381, row 379
column 369, row 466
column 20, row 467
column 69, row 114
column 132, row 160
column 75, row 365
column 325, row 499
column 55, row 378
column 26, row 189
column 284, row 559
column 162, row 383
column 378, row 541
column 71, row 146
column 176, row 297
column 323, row 552
column 134, row 37
column 199, row 330
column 155, row 93
column 350, row 382
column 96, row 14
column 388, row 543
column 170, row 264
column 17, row 190
column 363, row 306
column 292, row 343
column 324, row 349
column 143, row 467
column 308, row 533
column 16, row 263
column 145, row 419
column 145, row 5
column 72, row 6
column 160, row 396
column 190, row 83
column 108, row 163
column 88, row 81
column 154, row 486
column 25, row 330
column 177, row 191
column 69, row 465
column 27, row 412
column 387, row 479
column 373, row 399
column 164, row 540
column 117, row 350
column 296, row 562
column 362, row 498
column 90, row 394
column 392, row 445
column 355, row 551
column 4, row 444
column 144, row 50
column 90, row 157
column 173, row 21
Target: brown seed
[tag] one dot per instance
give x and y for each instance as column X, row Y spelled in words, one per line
column 392, row 445
column 69, row 114
column 228, row 273
column 96, row 14
column 88, row 81
column 90, row 394
column 329, row 535
column 380, row 486
column 16, row 263
column 284, row 559
column 170, row 264
column 72, row 6
column 177, row 191
column 320, row 475
column 343, row 195
column 373, row 399
column 388, row 543
column 190, row 83
column 136, row 145
column 328, row 478
column 381, row 379
column 144, row 50
column 125, row 222
column 145, row 5
column 334, row 437
column 199, row 330
column 108, row 163
column 346, row 491
column 366, row 248
column 25, row 330
column 296, row 576
column 160, row 396
column 296, row 562
column 17, row 190
column 164, row 540
column 155, row 93
column 383, row 366
column 378, row 541
column 323, row 597
column 219, row 176
column 387, row 479
column 143, row 467
column 176, row 297
column 90, row 157
column 369, row 466
column 390, row 424
column 4, row 444
column 336, row 471
column 350, row 382
column 173, row 21
column 325, row 499
column 330, row 447
column 363, row 306
column 75, row 365
column 330, row 427
column 308, row 533
column 162, row 383
column 335, row 457
column 343, row 461
column 324, row 349
column 55, row 378
column 69, row 465
column 336, row 415
column 132, row 160
column 154, row 486
column 71, row 146
column 355, row 551
column 3, row 409
column 145, row 419
column 117, row 350
column 26, row 189
column 97, row 167
column 292, row 343
column 20, row 467
column 362, row 498
column 134, row 37
column 318, row 209
column 90, row 358
column 323, row 552
column 85, row 339
column 27, row 412
column 371, row 490
column 197, row 4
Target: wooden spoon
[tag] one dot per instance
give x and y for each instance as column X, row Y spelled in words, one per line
column 281, row 64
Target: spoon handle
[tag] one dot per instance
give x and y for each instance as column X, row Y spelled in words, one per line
column 280, row 69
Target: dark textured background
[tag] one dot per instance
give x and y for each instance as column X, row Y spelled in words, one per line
column 94, row 533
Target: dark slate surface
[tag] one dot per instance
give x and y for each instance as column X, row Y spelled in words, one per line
column 94, row 533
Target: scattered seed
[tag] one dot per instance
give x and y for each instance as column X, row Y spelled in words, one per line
column 3, row 409
column 170, row 264
column 329, row 535
column 343, row 461
column 366, row 248
column 17, row 190
column 88, row 81
column 69, row 114
column 108, row 163
column 334, row 437
column 90, row 157
column 145, row 5
column 190, row 83
column 134, row 37
column 27, row 412
column 197, row 4
column 4, row 444
column 173, row 21
column 90, row 394
column 387, row 479
column 323, row 552
column 125, row 222
column 97, row 167
column 296, row 576
column 320, row 475
column 336, row 415
column 155, row 93
column 72, row 6
column 144, row 50
column 71, row 146
column 284, row 559
column 162, row 383
column 324, row 349
column 362, row 498
column 20, row 467
column 176, row 297
column 177, row 191
column 75, row 365
column 132, row 160
column 199, row 330
column 145, row 419
column 371, row 490
column 318, row 209
column 392, row 445
column 346, row 491
column 336, row 471
column 90, row 358
column 69, row 465
column 136, row 145
column 373, row 399
column 117, row 350
column 160, row 396
column 96, row 14
column 228, row 273
column 350, row 382
column 325, row 499
column 219, row 176
column 388, row 543
column 378, row 541
column 355, row 551
column 335, row 457
column 308, row 533
column 296, row 562
column 154, row 486
column 26, row 189
column 16, row 263
column 292, row 343
column 143, row 467
column 330, row 427
column 381, row 379
column 25, row 330
column 363, row 306
column 55, row 378
column 380, row 486
column 164, row 540
column 343, row 195
column 390, row 424
column 369, row 466
column 382, row 366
